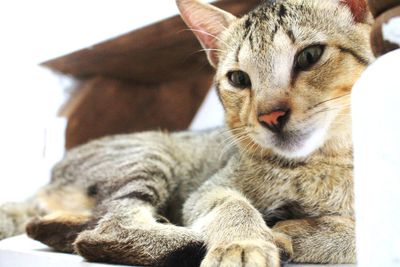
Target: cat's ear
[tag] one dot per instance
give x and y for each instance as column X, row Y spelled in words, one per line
column 358, row 8
column 207, row 22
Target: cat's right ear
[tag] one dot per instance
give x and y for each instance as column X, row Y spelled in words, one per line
column 207, row 22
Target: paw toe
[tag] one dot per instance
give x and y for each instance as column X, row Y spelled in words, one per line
column 233, row 256
column 242, row 254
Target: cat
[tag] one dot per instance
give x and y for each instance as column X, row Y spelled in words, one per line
column 275, row 185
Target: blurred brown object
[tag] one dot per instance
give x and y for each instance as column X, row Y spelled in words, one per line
column 152, row 78
column 384, row 11
column 377, row 7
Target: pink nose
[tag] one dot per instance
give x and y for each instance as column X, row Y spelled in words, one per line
column 275, row 120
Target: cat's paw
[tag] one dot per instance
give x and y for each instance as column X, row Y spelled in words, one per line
column 58, row 230
column 249, row 253
column 149, row 245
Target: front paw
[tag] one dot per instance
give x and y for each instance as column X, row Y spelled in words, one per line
column 249, row 253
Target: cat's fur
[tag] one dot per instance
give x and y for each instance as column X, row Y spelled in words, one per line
column 246, row 195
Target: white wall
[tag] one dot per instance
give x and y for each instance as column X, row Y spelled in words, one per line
column 31, row 137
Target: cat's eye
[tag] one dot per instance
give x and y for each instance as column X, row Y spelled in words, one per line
column 309, row 56
column 239, row 79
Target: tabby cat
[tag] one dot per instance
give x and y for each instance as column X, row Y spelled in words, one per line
column 275, row 185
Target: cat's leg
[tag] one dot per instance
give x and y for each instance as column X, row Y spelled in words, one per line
column 59, row 229
column 328, row 239
column 129, row 229
column 234, row 231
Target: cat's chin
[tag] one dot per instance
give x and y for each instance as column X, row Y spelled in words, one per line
column 292, row 144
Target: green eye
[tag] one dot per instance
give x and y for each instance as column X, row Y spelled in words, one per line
column 309, row 56
column 239, row 79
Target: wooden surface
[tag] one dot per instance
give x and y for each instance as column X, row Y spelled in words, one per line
column 377, row 7
column 381, row 46
column 112, row 106
column 383, row 11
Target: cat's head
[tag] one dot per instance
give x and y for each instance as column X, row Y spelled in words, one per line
column 284, row 71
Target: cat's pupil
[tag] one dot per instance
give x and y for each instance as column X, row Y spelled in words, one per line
column 241, row 79
column 310, row 58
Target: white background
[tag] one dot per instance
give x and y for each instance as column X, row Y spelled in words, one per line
column 31, row 136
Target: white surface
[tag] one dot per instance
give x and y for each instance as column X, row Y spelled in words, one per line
column 376, row 130
column 22, row 251
column 210, row 114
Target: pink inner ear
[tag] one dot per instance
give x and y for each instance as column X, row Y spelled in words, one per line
column 205, row 33
column 207, row 38
column 358, row 8
column 198, row 29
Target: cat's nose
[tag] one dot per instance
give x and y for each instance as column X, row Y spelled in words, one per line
column 274, row 120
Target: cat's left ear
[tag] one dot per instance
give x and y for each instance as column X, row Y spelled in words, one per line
column 207, row 22
column 359, row 9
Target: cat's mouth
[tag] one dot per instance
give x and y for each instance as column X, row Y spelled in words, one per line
column 292, row 143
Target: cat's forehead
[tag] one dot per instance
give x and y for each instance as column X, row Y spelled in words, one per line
column 301, row 20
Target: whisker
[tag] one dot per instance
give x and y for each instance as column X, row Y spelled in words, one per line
column 244, row 151
column 254, row 151
column 207, row 49
column 233, row 139
column 207, row 33
column 327, row 100
column 247, row 149
column 210, row 49
column 330, row 108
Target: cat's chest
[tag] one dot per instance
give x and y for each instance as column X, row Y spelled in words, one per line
column 299, row 191
column 267, row 188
